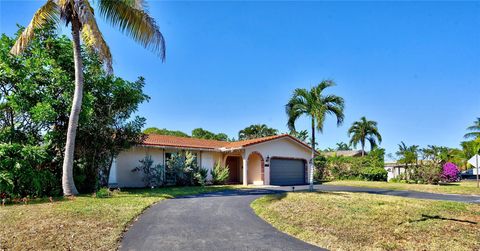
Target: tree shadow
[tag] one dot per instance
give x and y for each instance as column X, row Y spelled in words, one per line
column 449, row 184
column 438, row 217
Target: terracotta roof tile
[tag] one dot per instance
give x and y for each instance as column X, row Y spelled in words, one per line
column 174, row 141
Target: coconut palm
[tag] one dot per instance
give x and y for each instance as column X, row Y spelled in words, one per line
column 474, row 130
column 129, row 16
column 316, row 105
column 362, row 131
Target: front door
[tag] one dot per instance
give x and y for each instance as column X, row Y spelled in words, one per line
column 233, row 164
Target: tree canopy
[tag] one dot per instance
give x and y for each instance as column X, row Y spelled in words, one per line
column 362, row 131
column 36, row 92
column 201, row 133
column 164, row 131
column 256, row 131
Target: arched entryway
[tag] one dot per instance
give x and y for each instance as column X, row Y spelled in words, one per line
column 256, row 168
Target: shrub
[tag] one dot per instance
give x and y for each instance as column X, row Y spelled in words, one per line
column 450, row 172
column 219, row 174
column 395, row 180
column 182, row 169
column 103, row 192
column 152, row 174
column 428, row 173
column 374, row 174
column 201, row 176
column 23, row 172
column 319, row 171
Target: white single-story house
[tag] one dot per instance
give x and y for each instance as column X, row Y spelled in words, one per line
column 394, row 170
column 274, row 160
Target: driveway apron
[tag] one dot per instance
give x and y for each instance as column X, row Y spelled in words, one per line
column 213, row 221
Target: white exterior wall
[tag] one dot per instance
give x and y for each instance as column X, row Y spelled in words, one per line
column 283, row 147
column 129, row 159
column 394, row 171
column 208, row 160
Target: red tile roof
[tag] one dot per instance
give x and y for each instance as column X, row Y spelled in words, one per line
column 174, row 141
column 183, row 142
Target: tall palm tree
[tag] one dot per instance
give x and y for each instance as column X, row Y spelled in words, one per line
column 364, row 130
column 474, row 130
column 316, row 105
column 129, row 16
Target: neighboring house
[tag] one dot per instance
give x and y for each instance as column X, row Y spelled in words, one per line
column 394, row 169
column 274, row 160
column 347, row 153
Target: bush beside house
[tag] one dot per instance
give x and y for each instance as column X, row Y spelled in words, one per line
column 370, row 167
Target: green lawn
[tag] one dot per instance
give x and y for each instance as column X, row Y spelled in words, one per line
column 353, row 221
column 81, row 223
column 464, row 187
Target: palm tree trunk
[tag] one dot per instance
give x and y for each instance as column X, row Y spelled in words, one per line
column 310, row 177
column 68, row 184
column 363, row 150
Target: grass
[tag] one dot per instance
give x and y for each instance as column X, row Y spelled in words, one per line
column 352, row 221
column 81, row 223
column 464, row 187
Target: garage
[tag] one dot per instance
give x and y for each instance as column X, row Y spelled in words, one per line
column 287, row 172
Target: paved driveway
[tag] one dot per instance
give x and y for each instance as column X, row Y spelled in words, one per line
column 400, row 193
column 213, row 221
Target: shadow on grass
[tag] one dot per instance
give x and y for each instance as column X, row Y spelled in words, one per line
column 449, row 184
column 438, row 217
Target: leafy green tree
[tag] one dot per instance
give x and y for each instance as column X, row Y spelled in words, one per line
column 256, row 131
column 342, row 146
column 36, row 95
column 201, row 133
column 316, row 105
column 364, row 130
column 301, row 135
column 164, row 131
column 474, row 130
column 130, row 17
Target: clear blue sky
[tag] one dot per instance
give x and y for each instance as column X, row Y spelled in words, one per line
column 412, row 66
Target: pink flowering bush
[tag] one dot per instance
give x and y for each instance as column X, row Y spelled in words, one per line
column 450, row 172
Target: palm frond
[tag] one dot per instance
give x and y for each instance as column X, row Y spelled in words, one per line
column 297, row 106
column 325, row 84
column 472, row 135
column 134, row 22
column 49, row 12
column 91, row 35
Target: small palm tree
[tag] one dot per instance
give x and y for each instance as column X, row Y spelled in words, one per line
column 408, row 155
column 364, row 130
column 129, row 16
column 474, row 130
column 316, row 105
